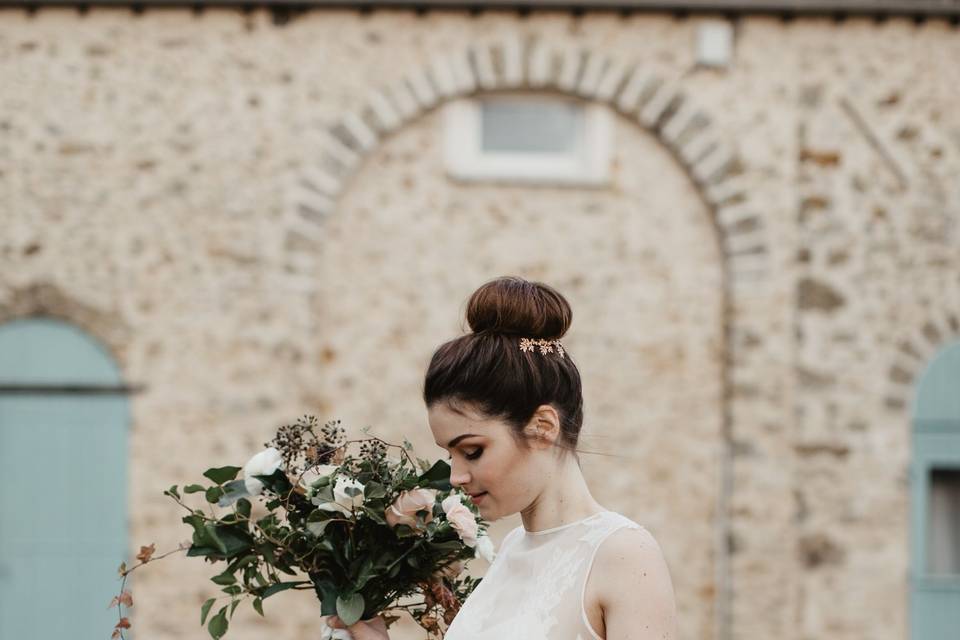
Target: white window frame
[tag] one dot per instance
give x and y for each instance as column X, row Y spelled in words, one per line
column 587, row 165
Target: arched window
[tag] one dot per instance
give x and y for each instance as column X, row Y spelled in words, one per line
column 935, row 569
column 63, row 494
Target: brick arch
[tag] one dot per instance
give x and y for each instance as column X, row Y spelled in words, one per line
column 46, row 299
column 666, row 110
column 659, row 105
column 913, row 353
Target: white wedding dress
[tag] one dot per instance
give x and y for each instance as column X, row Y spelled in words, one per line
column 534, row 588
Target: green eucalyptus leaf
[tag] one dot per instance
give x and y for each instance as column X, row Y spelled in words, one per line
column 212, row 535
column 172, row 491
column 233, row 606
column 327, row 593
column 199, row 551
column 366, row 572
column 436, row 477
column 213, row 494
column 218, row 624
column 277, row 482
column 243, row 507
column 317, row 526
column 242, row 562
column 224, row 578
column 233, row 590
column 205, row 609
column 258, row 606
column 375, row 515
column 220, row 475
column 350, row 608
column 373, row 490
column 232, row 541
column 281, row 586
column 194, row 488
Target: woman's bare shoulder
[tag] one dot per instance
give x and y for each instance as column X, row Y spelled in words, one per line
column 635, row 590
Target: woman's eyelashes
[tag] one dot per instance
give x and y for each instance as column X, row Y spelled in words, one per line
column 470, row 456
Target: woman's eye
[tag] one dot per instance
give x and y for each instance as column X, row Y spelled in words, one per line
column 470, row 456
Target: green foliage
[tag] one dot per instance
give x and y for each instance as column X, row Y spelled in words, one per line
column 350, row 608
column 205, row 609
column 357, row 564
column 218, row 624
column 436, row 477
column 220, row 475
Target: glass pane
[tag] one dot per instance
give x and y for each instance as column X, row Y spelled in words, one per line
column 943, row 525
column 530, row 125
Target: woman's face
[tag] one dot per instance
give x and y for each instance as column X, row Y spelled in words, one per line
column 485, row 459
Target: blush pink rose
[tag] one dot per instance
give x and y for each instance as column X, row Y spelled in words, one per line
column 461, row 519
column 404, row 508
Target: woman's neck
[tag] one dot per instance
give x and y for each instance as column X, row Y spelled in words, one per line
column 566, row 498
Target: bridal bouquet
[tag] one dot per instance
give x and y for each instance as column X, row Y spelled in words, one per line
column 363, row 530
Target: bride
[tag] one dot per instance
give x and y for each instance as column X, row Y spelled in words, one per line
column 505, row 401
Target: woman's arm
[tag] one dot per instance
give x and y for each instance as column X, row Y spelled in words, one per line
column 635, row 589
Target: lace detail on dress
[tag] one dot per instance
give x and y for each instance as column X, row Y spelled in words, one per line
column 534, row 588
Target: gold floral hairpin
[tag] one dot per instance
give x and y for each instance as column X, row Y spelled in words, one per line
column 546, row 346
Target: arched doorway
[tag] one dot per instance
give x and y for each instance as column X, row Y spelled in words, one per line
column 64, row 417
column 935, row 511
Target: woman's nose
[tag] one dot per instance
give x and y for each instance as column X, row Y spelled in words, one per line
column 458, row 478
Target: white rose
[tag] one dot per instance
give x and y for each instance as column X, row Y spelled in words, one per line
column 485, row 548
column 262, row 464
column 347, row 495
column 329, row 633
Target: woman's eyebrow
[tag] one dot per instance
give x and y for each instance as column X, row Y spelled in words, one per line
column 454, row 442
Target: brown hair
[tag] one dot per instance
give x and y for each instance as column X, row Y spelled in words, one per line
column 487, row 370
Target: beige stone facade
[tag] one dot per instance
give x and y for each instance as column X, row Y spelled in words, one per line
column 256, row 219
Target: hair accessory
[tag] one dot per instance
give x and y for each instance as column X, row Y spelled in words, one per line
column 546, row 346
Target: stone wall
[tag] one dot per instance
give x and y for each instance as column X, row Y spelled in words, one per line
column 256, row 219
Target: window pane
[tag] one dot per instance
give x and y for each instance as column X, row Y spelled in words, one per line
column 530, row 125
column 943, row 526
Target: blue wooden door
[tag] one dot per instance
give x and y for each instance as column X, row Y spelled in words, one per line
column 935, row 541
column 63, row 496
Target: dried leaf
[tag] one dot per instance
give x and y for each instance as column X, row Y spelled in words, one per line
column 123, row 624
column 115, row 634
column 122, row 570
column 389, row 620
column 146, row 552
column 126, row 599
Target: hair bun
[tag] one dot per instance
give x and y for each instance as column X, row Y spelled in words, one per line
column 513, row 305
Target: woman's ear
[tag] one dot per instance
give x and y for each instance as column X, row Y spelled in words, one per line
column 544, row 426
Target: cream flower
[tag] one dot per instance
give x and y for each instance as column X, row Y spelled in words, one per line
column 485, row 548
column 347, row 496
column 329, row 633
column 262, row 464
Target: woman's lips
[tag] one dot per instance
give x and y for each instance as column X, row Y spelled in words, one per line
column 477, row 498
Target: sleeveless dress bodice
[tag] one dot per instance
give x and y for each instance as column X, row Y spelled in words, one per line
column 535, row 586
